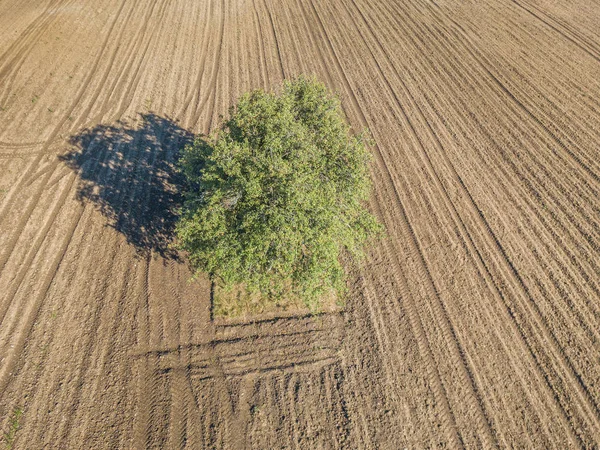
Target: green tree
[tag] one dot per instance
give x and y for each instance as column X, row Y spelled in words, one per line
column 277, row 194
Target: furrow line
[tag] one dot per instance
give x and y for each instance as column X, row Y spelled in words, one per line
column 8, row 201
column 573, row 37
column 483, row 62
column 144, row 370
column 21, row 47
column 264, row 72
column 540, row 323
column 547, row 232
column 103, row 361
column 88, row 223
column 541, row 167
column 31, row 315
column 179, row 401
column 83, row 117
column 211, row 88
column 450, row 429
column 482, row 128
column 511, row 274
column 15, row 145
column 150, row 43
column 132, row 49
column 25, row 266
column 468, row 372
column 61, row 433
column 22, row 39
column 202, row 63
column 291, row 389
column 20, row 226
column 123, row 186
column 272, row 27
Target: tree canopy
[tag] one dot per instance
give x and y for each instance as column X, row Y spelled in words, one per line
column 277, row 193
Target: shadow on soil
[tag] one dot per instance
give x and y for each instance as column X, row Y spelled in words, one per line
column 128, row 171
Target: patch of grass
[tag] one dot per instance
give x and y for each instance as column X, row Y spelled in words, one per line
column 237, row 302
column 35, row 99
column 13, row 426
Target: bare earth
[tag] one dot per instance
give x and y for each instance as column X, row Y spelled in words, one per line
column 475, row 323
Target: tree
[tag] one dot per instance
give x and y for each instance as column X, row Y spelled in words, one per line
column 277, row 194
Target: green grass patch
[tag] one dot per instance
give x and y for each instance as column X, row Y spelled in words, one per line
column 13, row 426
column 238, row 303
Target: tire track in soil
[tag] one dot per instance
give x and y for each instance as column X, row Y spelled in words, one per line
column 272, row 27
column 179, row 390
column 564, row 31
column 103, row 363
column 158, row 331
column 160, row 328
column 21, row 47
column 15, row 145
column 585, row 399
column 79, row 208
column 264, row 71
column 484, row 421
column 41, row 237
column 507, row 192
column 137, row 42
column 482, row 128
column 92, row 71
column 87, row 226
column 247, row 351
column 173, row 332
column 202, row 62
column 9, row 199
column 418, row 251
column 439, row 390
column 131, row 180
column 583, row 187
column 133, row 208
column 483, row 62
column 34, row 309
column 473, row 251
column 143, row 405
column 179, row 384
column 130, row 88
column 211, row 90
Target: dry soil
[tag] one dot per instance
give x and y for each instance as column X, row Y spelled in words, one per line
column 475, row 323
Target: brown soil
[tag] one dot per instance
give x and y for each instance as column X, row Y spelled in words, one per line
column 476, row 323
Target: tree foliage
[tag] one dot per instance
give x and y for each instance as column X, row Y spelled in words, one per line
column 277, row 194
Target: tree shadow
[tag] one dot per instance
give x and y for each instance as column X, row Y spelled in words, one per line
column 128, row 170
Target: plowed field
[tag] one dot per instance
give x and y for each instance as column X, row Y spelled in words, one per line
column 475, row 322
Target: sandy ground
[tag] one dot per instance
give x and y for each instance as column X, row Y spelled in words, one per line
column 475, row 323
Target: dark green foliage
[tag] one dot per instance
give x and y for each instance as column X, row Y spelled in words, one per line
column 277, row 194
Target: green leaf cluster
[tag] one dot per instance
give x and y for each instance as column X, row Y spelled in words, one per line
column 277, row 194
